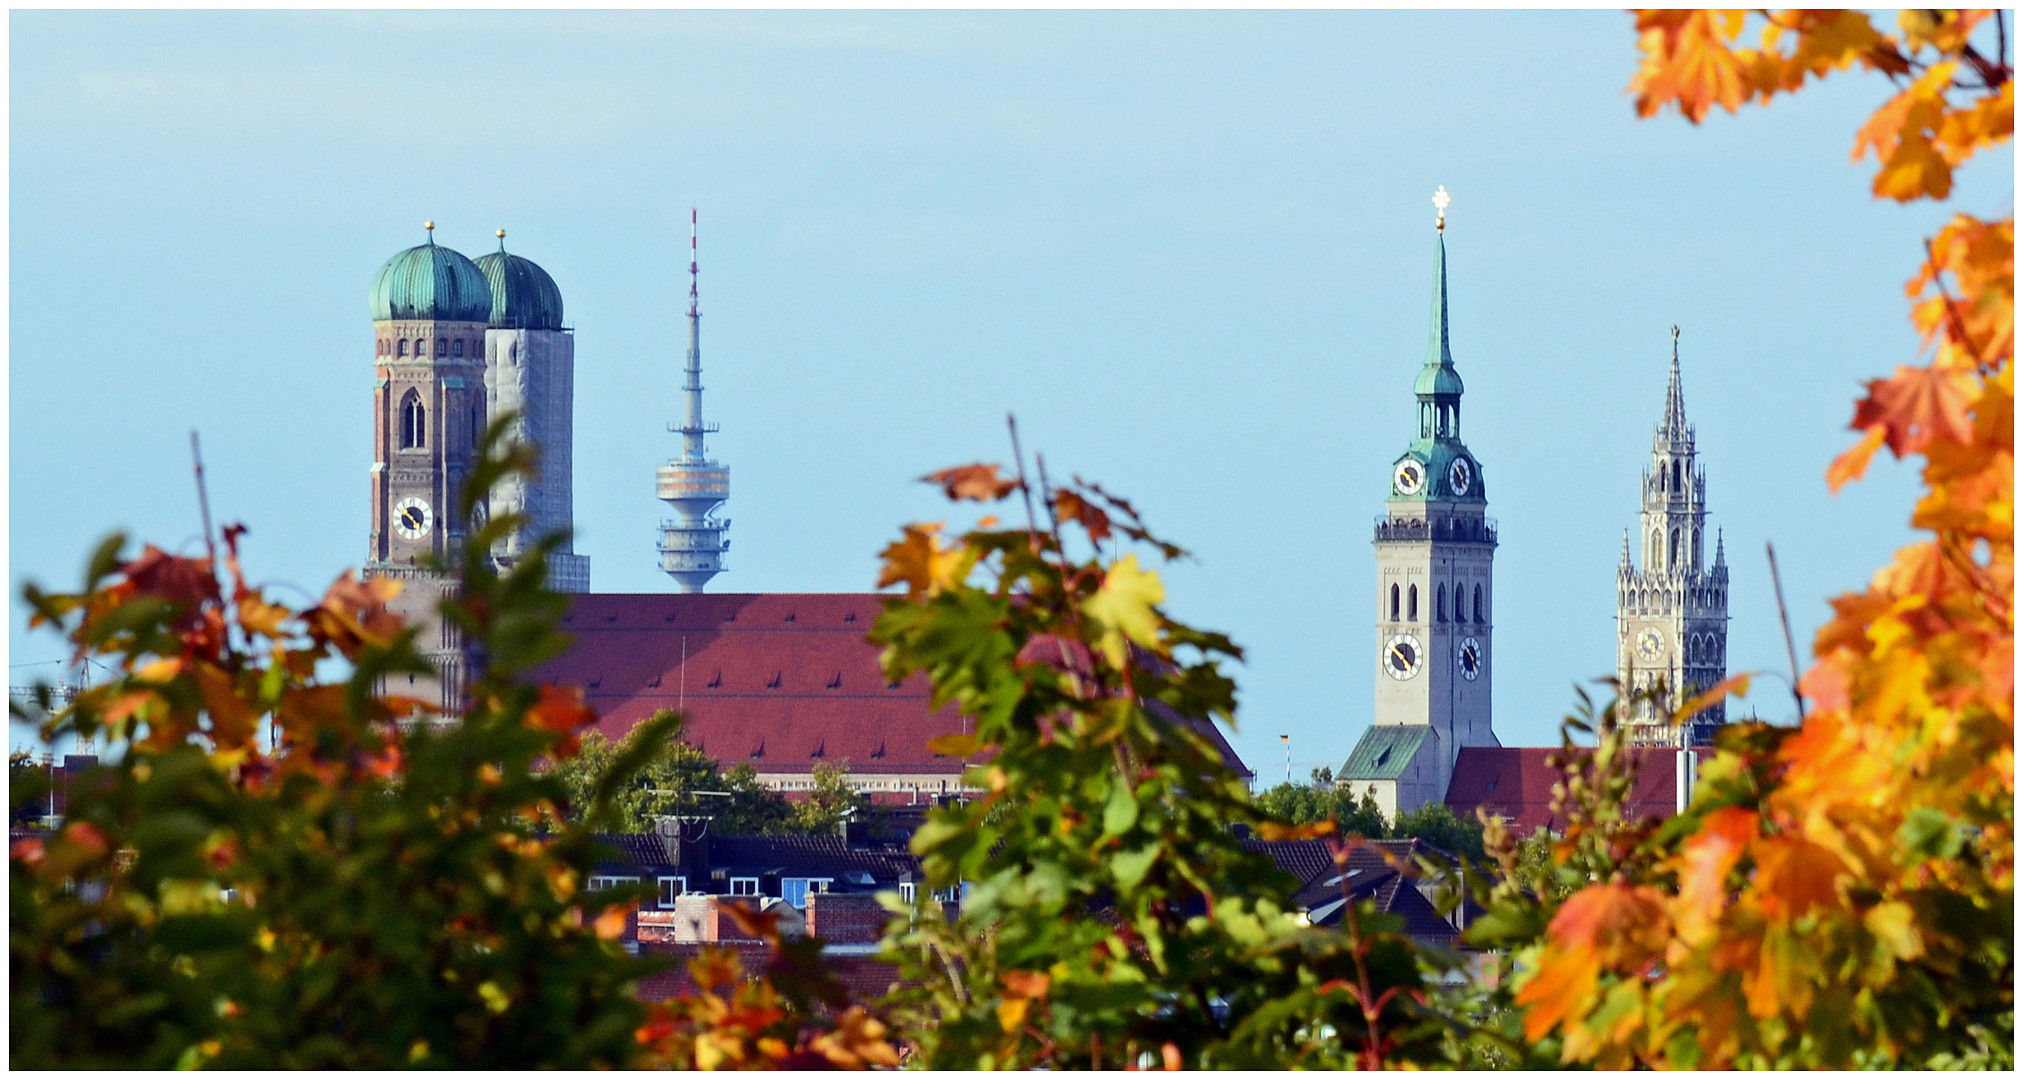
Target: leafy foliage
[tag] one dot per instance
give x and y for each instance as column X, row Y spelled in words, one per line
column 1306, row 804
column 678, row 779
column 366, row 893
column 1112, row 916
column 1841, row 894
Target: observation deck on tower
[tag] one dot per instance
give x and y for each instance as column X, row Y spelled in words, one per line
column 692, row 545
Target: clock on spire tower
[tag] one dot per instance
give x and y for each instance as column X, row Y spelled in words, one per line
column 1435, row 548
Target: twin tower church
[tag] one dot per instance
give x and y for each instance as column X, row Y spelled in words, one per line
column 785, row 681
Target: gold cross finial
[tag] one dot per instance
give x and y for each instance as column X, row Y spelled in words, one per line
column 1440, row 201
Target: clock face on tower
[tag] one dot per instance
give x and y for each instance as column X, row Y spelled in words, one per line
column 1651, row 644
column 1468, row 659
column 411, row 517
column 1409, row 476
column 1460, row 476
column 1402, row 656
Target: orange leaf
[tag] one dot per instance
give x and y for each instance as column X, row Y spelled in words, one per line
column 1624, row 924
column 1687, row 62
column 1737, row 685
column 1708, row 857
column 1026, row 984
column 1795, row 875
column 560, row 709
column 979, row 481
column 1854, row 461
column 919, row 560
column 1916, row 405
column 1272, row 830
column 1072, row 507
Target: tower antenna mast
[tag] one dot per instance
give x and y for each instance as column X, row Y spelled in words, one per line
column 692, row 545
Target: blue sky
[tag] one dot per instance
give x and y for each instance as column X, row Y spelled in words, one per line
column 1191, row 251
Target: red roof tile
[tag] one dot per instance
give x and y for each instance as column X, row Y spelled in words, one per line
column 1515, row 781
column 780, row 680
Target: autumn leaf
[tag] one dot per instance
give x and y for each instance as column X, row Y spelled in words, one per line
column 979, row 481
column 1795, row 875
column 1737, row 685
column 1917, row 405
column 1703, row 866
column 1123, row 608
column 1069, row 506
column 1687, row 62
column 920, row 561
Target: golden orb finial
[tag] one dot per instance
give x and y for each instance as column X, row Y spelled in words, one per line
column 429, row 225
column 501, row 234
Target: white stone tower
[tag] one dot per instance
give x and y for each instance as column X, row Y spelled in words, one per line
column 530, row 368
column 692, row 545
column 1435, row 551
column 1672, row 613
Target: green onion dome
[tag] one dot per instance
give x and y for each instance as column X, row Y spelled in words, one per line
column 524, row 297
column 431, row 282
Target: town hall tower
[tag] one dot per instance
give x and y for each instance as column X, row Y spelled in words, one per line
column 1672, row 612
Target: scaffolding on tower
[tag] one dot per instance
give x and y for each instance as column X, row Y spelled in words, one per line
column 692, row 544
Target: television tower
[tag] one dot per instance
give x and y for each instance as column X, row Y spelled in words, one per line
column 692, row 546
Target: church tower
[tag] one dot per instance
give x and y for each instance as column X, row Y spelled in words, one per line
column 1434, row 606
column 430, row 308
column 530, row 368
column 1672, row 612
column 692, row 545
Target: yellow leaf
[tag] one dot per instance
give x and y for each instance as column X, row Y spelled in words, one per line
column 1011, row 1012
column 495, row 998
column 919, row 560
column 1122, row 607
column 1894, row 924
column 1737, row 685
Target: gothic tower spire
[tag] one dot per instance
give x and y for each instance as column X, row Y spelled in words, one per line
column 1672, row 610
column 692, row 546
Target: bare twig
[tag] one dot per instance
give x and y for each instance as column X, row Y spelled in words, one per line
column 1011, row 421
column 1790, row 647
column 203, row 500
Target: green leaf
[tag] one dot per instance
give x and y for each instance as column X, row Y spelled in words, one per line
column 1122, row 811
column 1130, row 867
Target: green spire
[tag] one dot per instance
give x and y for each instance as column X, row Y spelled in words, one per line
column 1437, row 354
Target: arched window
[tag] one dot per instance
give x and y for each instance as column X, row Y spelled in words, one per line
column 1412, row 604
column 413, row 422
column 1678, row 484
column 477, row 426
column 1696, row 547
column 1478, row 604
column 1394, row 603
column 403, row 347
column 1657, row 557
column 458, row 348
column 1440, row 603
column 1674, row 561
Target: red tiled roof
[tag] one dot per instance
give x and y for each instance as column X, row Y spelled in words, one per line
column 1515, row 781
column 780, row 680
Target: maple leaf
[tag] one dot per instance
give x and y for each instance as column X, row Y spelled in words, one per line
column 1737, row 685
column 979, row 481
column 920, row 561
column 1123, row 608
column 1687, row 62
column 1916, row 405
column 1703, row 865
column 1795, row 875
column 1069, row 506
column 185, row 583
column 1854, row 461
